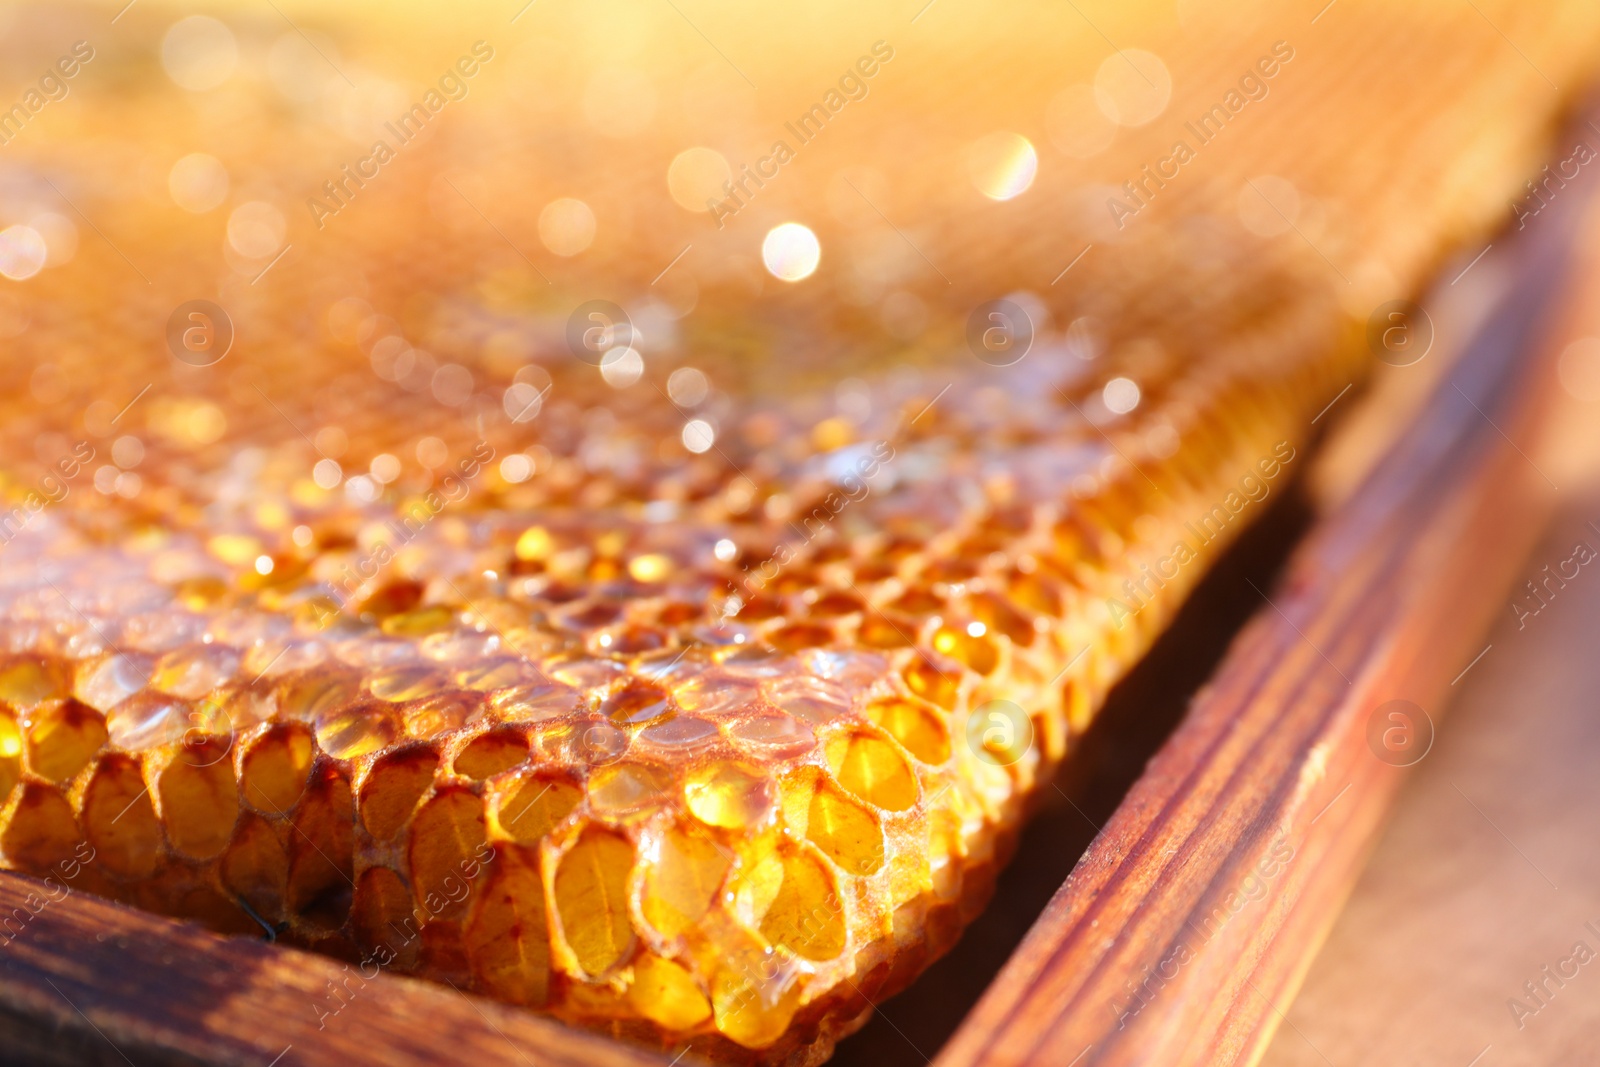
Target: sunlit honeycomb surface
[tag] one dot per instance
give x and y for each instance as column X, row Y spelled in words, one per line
column 661, row 702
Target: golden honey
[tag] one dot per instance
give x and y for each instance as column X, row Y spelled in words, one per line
column 693, row 689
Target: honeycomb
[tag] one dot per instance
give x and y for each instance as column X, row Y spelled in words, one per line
column 697, row 699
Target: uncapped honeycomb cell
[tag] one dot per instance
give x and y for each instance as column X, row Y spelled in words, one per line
column 491, row 753
column 393, row 787
column 870, row 767
column 667, row 993
column 507, row 938
column 275, row 767
column 847, row 832
column 320, row 851
column 118, row 818
column 199, row 799
column 730, row 795
column 682, row 879
column 62, row 738
column 658, row 695
column 447, row 835
column 591, row 895
column 42, row 831
column 531, row 807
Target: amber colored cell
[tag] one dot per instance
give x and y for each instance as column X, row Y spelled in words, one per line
column 531, row 807
column 806, row 916
column 311, row 695
column 492, row 753
column 199, row 799
column 63, row 739
column 447, row 850
column 999, row 616
column 845, row 831
column 618, row 788
column 591, row 891
column 118, row 818
column 800, row 636
column 381, row 916
column 932, row 684
column 419, row 623
column 356, row 730
column 508, row 937
column 321, row 852
column 730, row 795
column 681, row 879
column 869, row 767
column 746, row 1012
column 920, row 730
column 665, row 993
column 391, row 790
column 275, row 768
column 10, row 755
column 880, row 631
column 392, row 599
column 256, row 866
column 27, row 681
column 978, row 653
column 42, row 830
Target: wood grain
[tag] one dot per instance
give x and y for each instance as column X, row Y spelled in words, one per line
column 1183, row 933
column 85, row 981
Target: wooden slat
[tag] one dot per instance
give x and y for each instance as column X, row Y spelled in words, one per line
column 1185, row 929
column 85, row 981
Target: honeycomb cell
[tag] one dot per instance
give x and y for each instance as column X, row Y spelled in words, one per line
column 666, row 993
column 750, row 1008
column 194, row 671
column 881, row 631
column 256, row 866
column 399, row 684
column 356, row 730
column 112, row 679
column 774, row 736
column 397, row 781
column 118, row 818
column 636, row 703
column 806, row 915
column 710, row 694
column 310, row 694
column 677, row 735
column 448, row 839
column 63, row 738
column 620, row 788
column 869, row 767
column 730, row 795
column 28, row 680
column 920, row 730
column 321, row 850
column 149, row 719
column 492, row 753
column 381, row 914
column 199, row 799
column 10, row 755
column 508, row 936
column 682, row 877
column 42, row 831
column 531, row 807
column 964, row 647
column 846, row 832
column 275, row 768
column 933, row 684
column 591, row 894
